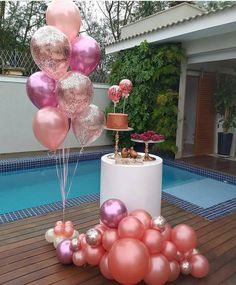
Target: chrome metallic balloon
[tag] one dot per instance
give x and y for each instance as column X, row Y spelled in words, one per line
column 185, row 267
column 93, row 237
column 159, row 223
column 75, row 244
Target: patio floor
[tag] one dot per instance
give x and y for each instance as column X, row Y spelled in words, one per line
column 26, row 258
column 214, row 163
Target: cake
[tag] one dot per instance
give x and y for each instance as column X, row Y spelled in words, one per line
column 117, row 121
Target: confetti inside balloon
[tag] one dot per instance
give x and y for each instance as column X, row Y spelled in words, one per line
column 159, row 223
column 93, row 237
column 185, row 267
column 115, row 93
column 126, row 87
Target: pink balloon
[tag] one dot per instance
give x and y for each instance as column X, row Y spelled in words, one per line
column 64, row 15
column 114, row 93
column 88, row 125
column 41, row 90
column 50, row 127
column 74, row 93
column 166, row 234
column 51, row 51
column 159, row 271
column 103, row 266
column 143, row 216
column 169, row 250
column 200, row 266
column 112, row 212
column 68, row 232
column 130, row 227
column 184, row 237
column 126, row 87
column 79, row 258
column 153, row 240
column 102, row 228
column 93, row 255
column 174, row 270
column 128, row 261
column 86, row 55
column 109, row 237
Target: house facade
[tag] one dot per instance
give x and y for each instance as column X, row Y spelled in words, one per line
column 209, row 40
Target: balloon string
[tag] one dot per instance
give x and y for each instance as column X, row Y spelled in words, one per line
column 124, row 105
column 76, row 166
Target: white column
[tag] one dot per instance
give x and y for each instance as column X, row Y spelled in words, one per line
column 181, row 103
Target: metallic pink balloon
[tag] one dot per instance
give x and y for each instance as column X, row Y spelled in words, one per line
column 65, row 16
column 50, row 127
column 88, row 125
column 41, row 90
column 74, row 93
column 64, row 252
column 86, row 55
column 51, row 51
column 112, row 212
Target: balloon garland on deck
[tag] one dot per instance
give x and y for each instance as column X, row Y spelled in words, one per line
column 131, row 247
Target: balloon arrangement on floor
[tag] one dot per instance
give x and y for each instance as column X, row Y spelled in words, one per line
column 131, row 247
column 63, row 97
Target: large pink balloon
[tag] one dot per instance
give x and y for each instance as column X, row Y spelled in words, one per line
column 200, row 266
column 159, row 272
column 41, row 90
column 88, row 125
column 109, row 237
column 51, row 51
column 128, row 261
column 74, row 93
column 184, row 237
column 143, row 216
column 93, row 255
column 50, row 127
column 64, row 15
column 153, row 240
column 86, row 55
column 131, row 227
column 169, row 250
column 174, row 270
column 103, row 266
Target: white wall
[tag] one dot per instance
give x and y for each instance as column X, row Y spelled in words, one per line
column 17, row 111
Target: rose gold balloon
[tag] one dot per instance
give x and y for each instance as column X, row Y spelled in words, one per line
column 64, row 15
column 144, row 217
column 159, row 271
column 51, row 51
column 59, row 223
column 74, row 92
column 109, row 237
column 68, row 232
column 102, row 228
column 79, row 258
column 103, row 266
column 184, row 237
column 93, row 237
column 174, row 270
column 180, row 256
column 153, row 240
column 166, row 234
column 128, row 261
column 93, row 255
column 59, row 230
column 190, row 253
column 169, row 250
column 50, row 127
column 88, row 125
column 200, row 266
column 130, row 227
column 75, row 244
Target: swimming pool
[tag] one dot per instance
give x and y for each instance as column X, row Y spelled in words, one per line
column 39, row 186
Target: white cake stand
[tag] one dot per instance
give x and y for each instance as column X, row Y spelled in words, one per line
column 116, row 153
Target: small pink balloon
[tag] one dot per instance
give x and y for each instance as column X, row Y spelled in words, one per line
column 85, row 56
column 59, row 223
column 169, row 250
column 174, row 270
column 143, row 216
column 114, row 93
column 153, row 241
column 130, row 227
column 64, row 252
column 93, row 255
column 74, row 92
column 102, row 228
column 79, row 258
column 200, row 266
column 166, row 234
column 109, row 237
column 184, row 237
column 50, row 127
column 69, row 223
column 103, row 266
column 41, row 90
column 59, row 230
column 190, row 253
column 88, row 125
column 68, row 232
column 51, row 51
column 112, row 212
column 64, row 15
column 126, row 87
column 159, row 270
column 82, row 239
column 180, row 256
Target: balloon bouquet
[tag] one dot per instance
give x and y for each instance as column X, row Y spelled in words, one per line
column 131, row 247
column 64, row 97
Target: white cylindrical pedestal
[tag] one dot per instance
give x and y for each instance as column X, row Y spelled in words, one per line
column 138, row 186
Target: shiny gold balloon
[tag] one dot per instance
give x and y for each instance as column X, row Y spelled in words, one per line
column 93, row 237
column 75, row 244
column 185, row 267
column 159, row 223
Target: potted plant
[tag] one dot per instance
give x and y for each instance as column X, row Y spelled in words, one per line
column 225, row 104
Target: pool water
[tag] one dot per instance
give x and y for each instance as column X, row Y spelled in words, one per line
column 40, row 186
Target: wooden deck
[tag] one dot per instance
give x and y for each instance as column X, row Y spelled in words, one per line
column 26, row 258
column 214, row 163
